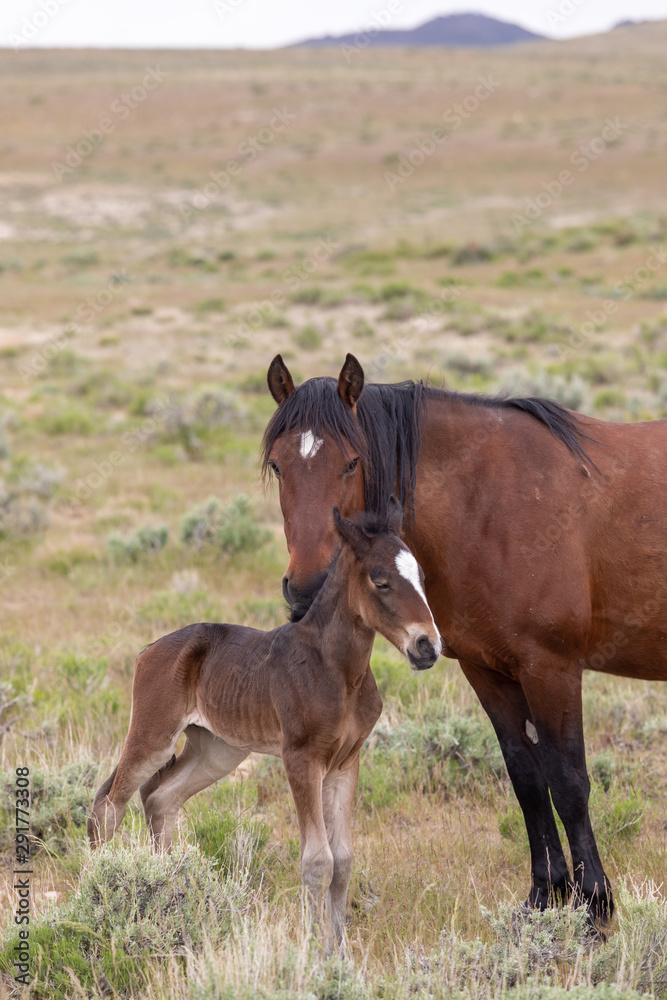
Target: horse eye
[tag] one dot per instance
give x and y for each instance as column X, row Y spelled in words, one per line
column 274, row 468
column 351, row 467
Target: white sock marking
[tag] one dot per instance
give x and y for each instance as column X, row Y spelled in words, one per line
column 310, row 445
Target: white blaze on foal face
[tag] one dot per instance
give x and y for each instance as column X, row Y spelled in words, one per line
column 407, row 566
column 310, row 445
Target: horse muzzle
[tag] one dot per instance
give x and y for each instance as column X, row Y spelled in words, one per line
column 423, row 652
column 301, row 598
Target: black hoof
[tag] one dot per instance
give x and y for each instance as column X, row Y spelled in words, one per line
column 541, row 897
column 600, row 905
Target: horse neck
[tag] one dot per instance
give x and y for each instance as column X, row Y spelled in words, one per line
column 458, row 433
column 342, row 636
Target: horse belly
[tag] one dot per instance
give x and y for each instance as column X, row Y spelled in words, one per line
column 238, row 714
column 627, row 653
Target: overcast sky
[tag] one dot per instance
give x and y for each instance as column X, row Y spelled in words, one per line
column 267, row 23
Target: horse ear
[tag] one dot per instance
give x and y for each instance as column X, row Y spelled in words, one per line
column 281, row 384
column 394, row 517
column 352, row 533
column 351, row 381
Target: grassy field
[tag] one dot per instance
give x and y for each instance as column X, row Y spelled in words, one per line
column 168, row 222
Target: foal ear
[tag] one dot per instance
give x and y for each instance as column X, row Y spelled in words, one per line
column 281, row 384
column 351, row 381
column 351, row 533
column 394, row 517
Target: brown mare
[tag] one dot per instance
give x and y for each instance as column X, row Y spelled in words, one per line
column 302, row 691
column 543, row 538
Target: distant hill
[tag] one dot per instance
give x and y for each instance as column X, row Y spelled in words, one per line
column 453, row 30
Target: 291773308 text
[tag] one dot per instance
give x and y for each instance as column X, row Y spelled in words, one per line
column 22, row 873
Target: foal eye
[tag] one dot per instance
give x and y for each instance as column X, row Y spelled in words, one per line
column 351, row 466
column 380, row 584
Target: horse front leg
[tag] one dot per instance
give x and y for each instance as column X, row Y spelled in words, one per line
column 554, row 696
column 305, row 776
column 338, row 799
column 505, row 703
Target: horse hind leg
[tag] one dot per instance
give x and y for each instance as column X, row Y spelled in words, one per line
column 134, row 768
column 205, row 759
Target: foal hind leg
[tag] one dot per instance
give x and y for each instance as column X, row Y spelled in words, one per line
column 506, row 705
column 338, row 791
column 135, row 766
column 205, row 759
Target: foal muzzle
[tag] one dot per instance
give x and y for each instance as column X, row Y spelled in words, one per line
column 423, row 653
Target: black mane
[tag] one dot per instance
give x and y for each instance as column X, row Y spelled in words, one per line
column 387, row 435
column 563, row 424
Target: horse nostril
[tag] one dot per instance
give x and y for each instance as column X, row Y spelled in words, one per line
column 424, row 646
column 286, row 588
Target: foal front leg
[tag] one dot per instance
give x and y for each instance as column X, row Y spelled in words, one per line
column 338, row 798
column 305, row 776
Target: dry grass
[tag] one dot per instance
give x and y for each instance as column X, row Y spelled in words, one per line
column 155, row 401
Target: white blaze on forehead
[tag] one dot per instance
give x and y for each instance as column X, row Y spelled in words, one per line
column 310, row 445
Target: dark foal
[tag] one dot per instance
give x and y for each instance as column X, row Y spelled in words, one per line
column 303, row 691
column 543, row 538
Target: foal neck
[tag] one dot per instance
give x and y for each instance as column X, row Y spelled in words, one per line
column 344, row 638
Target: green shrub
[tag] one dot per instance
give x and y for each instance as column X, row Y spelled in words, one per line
column 658, row 293
column 511, row 824
column 23, row 496
column 309, row 338
column 602, row 769
column 81, row 259
column 521, row 958
column 60, row 802
column 237, row 844
column 309, row 296
column 261, row 612
column 609, row 397
column 447, row 753
column 210, row 305
column 362, row 329
column 170, row 610
column 616, row 813
column 130, row 905
column 474, row 253
column 144, row 541
column 394, row 290
column 582, row 240
column 69, row 418
column 232, row 528
column 65, row 362
column 189, row 421
column 637, row 954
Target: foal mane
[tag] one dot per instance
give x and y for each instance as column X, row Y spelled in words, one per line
column 387, row 434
